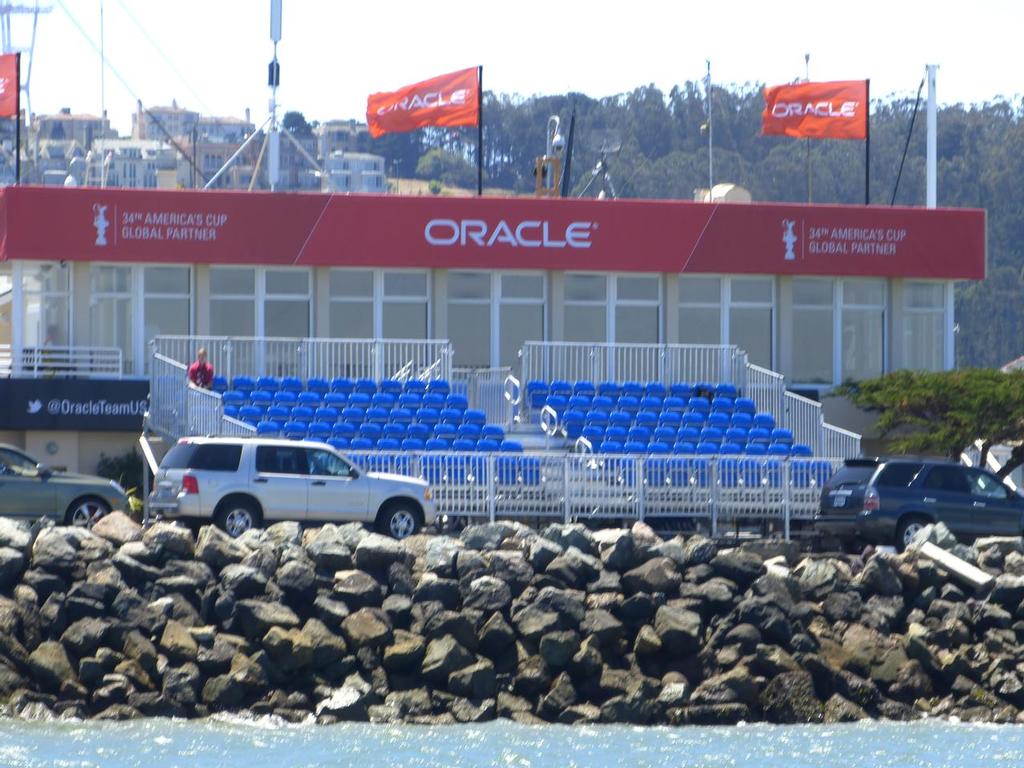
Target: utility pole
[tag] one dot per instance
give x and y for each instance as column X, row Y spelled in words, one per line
column 274, row 157
column 807, row 142
column 711, row 159
column 931, row 147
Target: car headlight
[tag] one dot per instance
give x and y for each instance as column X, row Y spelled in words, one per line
column 427, row 494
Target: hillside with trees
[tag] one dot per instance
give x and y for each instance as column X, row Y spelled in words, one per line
column 663, row 154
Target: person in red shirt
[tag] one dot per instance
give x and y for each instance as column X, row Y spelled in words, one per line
column 200, row 373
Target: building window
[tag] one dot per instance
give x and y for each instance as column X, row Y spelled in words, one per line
column 166, row 303
column 813, row 331
column 637, row 309
column 286, row 303
column 924, row 308
column 586, row 307
column 232, row 301
column 351, row 304
column 469, row 318
column 863, row 330
column 751, row 317
column 520, row 314
column 46, row 313
column 110, row 309
column 405, row 305
column 700, row 310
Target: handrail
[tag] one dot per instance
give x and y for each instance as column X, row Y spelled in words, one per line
column 50, row 360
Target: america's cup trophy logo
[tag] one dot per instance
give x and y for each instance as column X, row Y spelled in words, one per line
column 100, row 222
column 789, row 238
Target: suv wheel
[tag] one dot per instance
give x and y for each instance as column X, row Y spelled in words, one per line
column 84, row 512
column 236, row 516
column 399, row 521
column 907, row 530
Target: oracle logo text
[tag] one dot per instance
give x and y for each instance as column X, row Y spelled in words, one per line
column 530, row 233
column 431, row 99
column 845, row 109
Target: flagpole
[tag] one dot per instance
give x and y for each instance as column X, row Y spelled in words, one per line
column 867, row 143
column 480, row 131
column 17, row 119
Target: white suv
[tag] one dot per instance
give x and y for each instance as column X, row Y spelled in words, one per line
column 240, row 483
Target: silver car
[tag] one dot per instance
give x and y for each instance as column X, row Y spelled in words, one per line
column 240, row 483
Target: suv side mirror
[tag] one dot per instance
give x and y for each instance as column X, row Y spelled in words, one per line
column 44, row 471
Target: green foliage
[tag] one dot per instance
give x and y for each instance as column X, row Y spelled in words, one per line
column 125, row 469
column 446, row 167
column 945, row 412
column 435, row 187
column 295, row 123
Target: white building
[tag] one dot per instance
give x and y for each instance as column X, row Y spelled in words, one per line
column 354, row 172
column 130, row 163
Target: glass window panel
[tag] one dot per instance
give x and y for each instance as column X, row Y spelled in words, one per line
column 47, row 277
column 862, row 344
column 584, row 323
column 166, row 280
column 469, row 285
column 924, row 295
column 351, row 319
column 405, row 283
column 812, row 346
column 282, row 281
column 405, row 320
column 47, row 320
column 637, row 325
column 110, row 321
column 519, row 323
column 232, row 317
column 110, row 279
column 752, row 290
column 864, row 292
column 585, row 288
column 700, row 290
column 924, row 341
column 522, row 286
column 232, row 282
column 637, row 288
column 812, row 292
column 166, row 317
column 469, row 329
column 700, row 325
column 351, row 282
column 288, row 318
column 751, row 330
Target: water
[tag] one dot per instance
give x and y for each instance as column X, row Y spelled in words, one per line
column 269, row 744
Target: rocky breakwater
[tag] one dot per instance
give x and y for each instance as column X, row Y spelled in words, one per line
column 562, row 625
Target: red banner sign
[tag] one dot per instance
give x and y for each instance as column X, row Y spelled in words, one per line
column 447, row 100
column 10, row 82
column 837, row 110
column 150, row 226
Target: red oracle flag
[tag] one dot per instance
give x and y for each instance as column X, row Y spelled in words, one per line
column 837, row 110
column 9, row 84
column 446, row 101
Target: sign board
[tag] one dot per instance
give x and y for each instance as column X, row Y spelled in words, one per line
column 106, row 405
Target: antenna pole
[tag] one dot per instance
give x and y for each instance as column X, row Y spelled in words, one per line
column 103, row 68
column 274, row 145
column 711, row 155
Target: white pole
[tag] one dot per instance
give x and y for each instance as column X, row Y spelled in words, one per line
column 931, row 161
column 274, row 145
column 711, row 162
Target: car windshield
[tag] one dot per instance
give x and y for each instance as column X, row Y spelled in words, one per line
column 17, row 463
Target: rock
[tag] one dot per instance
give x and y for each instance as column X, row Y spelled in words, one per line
column 532, row 678
column 532, row 622
column 843, row 606
column 117, row 528
column 880, row 577
column 298, row 580
column 178, row 643
column 737, row 686
column 458, row 625
column 257, row 616
column 16, row 534
column 439, row 555
column 818, row 578
column 405, row 653
column 182, row 684
column 604, row 626
column 243, row 580
column 558, row 648
column 1004, row 544
column 431, row 588
column 1008, row 590
column 936, row 533
column 674, row 695
column 542, row 551
column 170, row 538
column 331, row 612
column 679, row 630
column 486, row 536
column 839, row 710
column 768, row 617
column 571, row 535
column 348, row 703
column 55, row 550
column 619, row 554
column 287, row 532
column 574, row 568
column 561, row 696
column 658, row 574
column 473, row 711
column 50, row 666
column 496, row 636
column 217, row 549
column 912, row 683
column 476, row 681
column 488, row 594
column 12, row 564
column 647, row 642
column 790, row 698
column 85, row 636
column 367, row 627
column 376, row 553
column 358, row 589
column 771, row 661
column 444, row 656
column 737, row 565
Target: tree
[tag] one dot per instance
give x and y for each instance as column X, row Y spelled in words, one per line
column 295, row 123
column 945, row 412
column 454, row 170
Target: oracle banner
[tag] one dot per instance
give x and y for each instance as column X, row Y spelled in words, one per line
column 381, row 231
column 447, row 100
column 837, row 110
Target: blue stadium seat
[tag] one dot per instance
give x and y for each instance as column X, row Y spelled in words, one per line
column 287, row 399
column 366, row 386
column 655, row 389
column 621, row 418
column 456, row 400
column 433, row 400
column 470, row 431
column 410, row 400
column 310, row 399
column 451, row 416
column 579, row 403
column 610, row 389
column 628, row 403
column 782, row 435
column 463, row 444
column 439, row 387
column 634, row 446
column 699, row 404
column 234, row 397
column 419, row 431
column 647, row 419
column 616, row 434
column 414, row 387
column 319, row 385
column 361, row 444
column 726, row 390
column 764, row 420
column 691, row 434
column 593, row 433
column 401, row 416
column 537, row 393
column 412, row 444
column 339, row 443
column 319, row 431
column 292, row 384
column 562, row 388
column 778, row 449
column 438, row 444
column 756, row 449
column 742, row 420
column 719, row 420
column 736, row 435
column 342, row 385
column 396, row 431
column 610, row 446
column 670, row 419
column 493, row 432
column 711, row 435
column 447, row 431
column 694, row 419
column 673, row 404
column 250, row 414
column 639, row 434
column 261, row 398
column 632, row 389
column 295, row 430
column 389, row 444
column 377, row 415
column 557, row 403
column 650, row 403
column 371, row 432
column 744, row 405
column 391, row 387
column 722, row 405
column 801, row 449
column 475, row 416
column 302, row 413
column 731, row 449
column 428, row 416
column 344, row 430
column 268, row 428
column 219, row 384
column 603, row 403
column 279, row 413
column 336, row 400
column 383, row 400
column 268, row 383
column 244, row 384
column 573, row 422
column 664, row 434
column 706, row 448
column 353, row 415
column 758, row 435
column 681, row 390
column 684, row 447
column 511, row 446
column 658, row 448
column 359, row 400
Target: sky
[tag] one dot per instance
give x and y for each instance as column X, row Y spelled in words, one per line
column 212, row 55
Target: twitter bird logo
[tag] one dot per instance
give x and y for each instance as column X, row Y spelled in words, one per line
column 35, row 406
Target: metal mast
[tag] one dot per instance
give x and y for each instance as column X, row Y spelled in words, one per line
column 7, row 12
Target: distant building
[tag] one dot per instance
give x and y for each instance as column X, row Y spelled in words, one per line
column 130, row 163
column 354, row 172
column 343, row 136
column 227, row 129
column 163, row 123
column 64, row 126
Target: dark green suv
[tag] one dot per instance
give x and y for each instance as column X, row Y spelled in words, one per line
column 31, row 490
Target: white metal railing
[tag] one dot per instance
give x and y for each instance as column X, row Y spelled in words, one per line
column 803, row 417
column 78, row 361
column 176, row 408
column 836, row 441
column 667, row 363
column 767, row 389
column 484, row 388
column 307, row 358
column 575, row 487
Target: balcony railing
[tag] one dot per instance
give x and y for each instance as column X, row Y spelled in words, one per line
column 61, row 361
